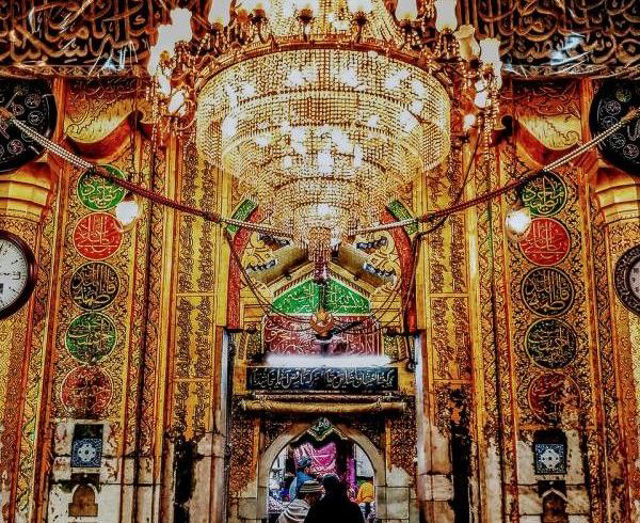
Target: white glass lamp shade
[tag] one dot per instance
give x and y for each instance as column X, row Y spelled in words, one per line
column 446, row 19
column 219, row 12
column 407, row 10
column 469, row 46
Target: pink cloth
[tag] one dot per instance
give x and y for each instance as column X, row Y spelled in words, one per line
column 323, row 459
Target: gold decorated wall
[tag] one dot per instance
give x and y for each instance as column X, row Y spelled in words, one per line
column 147, row 333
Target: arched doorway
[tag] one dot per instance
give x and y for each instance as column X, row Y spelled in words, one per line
column 391, row 484
column 327, row 451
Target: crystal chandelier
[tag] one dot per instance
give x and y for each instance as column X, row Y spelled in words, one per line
column 324, row 109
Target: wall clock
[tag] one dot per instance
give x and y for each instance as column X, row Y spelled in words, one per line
column 31, row 102
column 17, row 273
column 613, row 101
column 627, row 279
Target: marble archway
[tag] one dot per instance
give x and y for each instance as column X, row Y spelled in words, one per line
column 393, row 485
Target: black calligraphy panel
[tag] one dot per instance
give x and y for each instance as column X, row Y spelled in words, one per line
column 33, row 104
column 359, row 379
column 547, row 291
column 94, row 286
column 611, row 103
column 551, row 343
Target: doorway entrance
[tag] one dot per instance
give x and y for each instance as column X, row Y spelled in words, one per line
column 332, row 454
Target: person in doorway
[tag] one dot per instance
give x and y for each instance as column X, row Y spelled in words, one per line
column 366, row 496
column 303, row 474
column 296, row 512
column 334, row 507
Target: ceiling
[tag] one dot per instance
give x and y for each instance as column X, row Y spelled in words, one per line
column 106, row 37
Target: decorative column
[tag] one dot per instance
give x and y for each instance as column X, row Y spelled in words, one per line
column 618, row 196
column 25, row 198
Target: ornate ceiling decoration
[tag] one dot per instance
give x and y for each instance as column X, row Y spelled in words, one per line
column 106, row 37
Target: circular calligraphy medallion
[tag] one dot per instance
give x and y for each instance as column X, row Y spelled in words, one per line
column 610, row 104
column 544, row 196
column 99, row 194
column 552, row 395
column 546, row 243
column 627, row 279
column 32, row 103
column 90, row 337
column 547, row 291
column 551, row 343
column 86, row 392
column 94, row 286
column 97, row 236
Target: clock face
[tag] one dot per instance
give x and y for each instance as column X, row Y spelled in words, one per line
column 627, row 279
column 612, row 102
column 17, row 273
column 32, row 103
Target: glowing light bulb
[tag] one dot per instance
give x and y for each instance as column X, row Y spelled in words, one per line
column 416, row 107
column 181, row 25
column 407, row 121
column 219, row 13
column 407, row 10
column 360, row 6
column 518, row 221
column 349, row 76
column 128, row 210
column 229, row 126
column 468, row 121
column 177, row 103
column 164, row 84
column 373, row 121
column 490, row 50
column 296, row 78
column 446, row 19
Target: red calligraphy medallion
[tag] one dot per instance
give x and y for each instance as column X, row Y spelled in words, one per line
column 552, row 396
column 86, row 392
column 97, row 236
column 547, row 242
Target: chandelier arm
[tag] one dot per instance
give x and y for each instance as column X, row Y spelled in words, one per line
column 266, row 307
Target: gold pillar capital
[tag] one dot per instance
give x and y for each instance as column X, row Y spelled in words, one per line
column 618, row 193
column 27, row 192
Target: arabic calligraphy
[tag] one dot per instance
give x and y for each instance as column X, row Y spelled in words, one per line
column 284, row 335
column 359, row 379
column 544, row 196
column 94, row 286
column 552, row 395
column 86, row 392
column 612, row 102
column 32, row 103
column 90, row 337
column 551, row 343
column 99, row 194
column 335, row 297
column 547, row 291
column 97, row 236
column 547, row 242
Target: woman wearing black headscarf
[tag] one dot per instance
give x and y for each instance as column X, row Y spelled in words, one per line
column 334, row 507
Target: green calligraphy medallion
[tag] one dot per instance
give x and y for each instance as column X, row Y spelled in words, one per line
column 99, row 194
column 90, row 337
column 545, row 196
